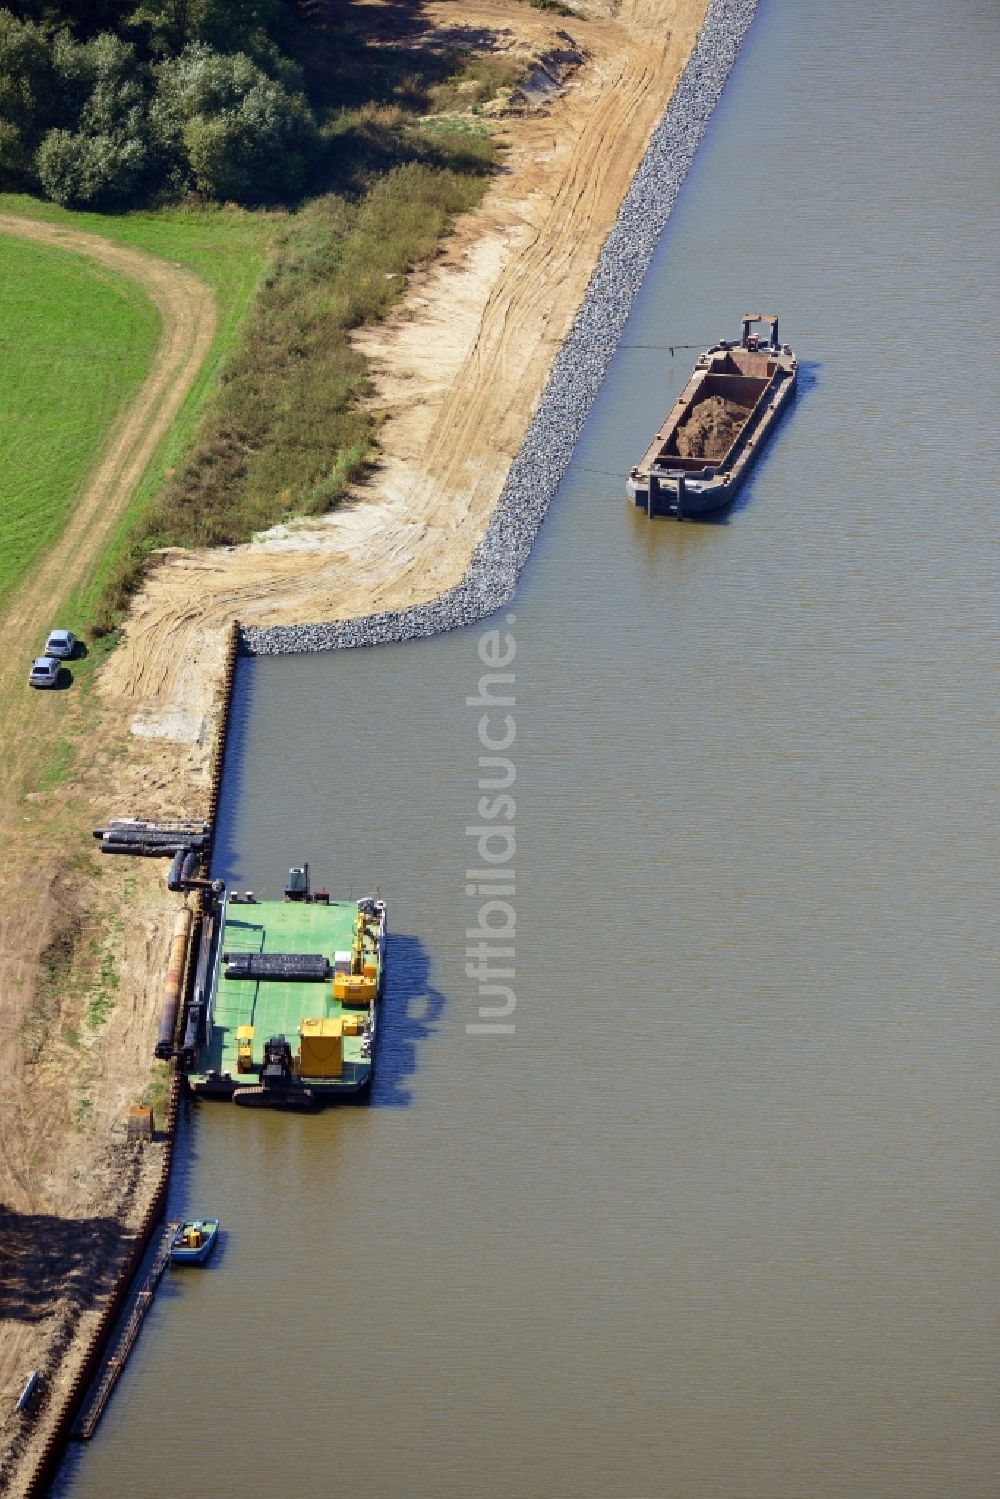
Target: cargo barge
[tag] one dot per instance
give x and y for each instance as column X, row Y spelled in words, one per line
column 285, row 1006
column 717, row 426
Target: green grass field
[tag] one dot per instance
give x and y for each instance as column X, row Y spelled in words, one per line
column 225, row 246
column 222, row 245
column 75, row 343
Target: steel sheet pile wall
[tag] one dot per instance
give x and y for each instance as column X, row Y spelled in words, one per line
column 55, row 1442
column 222, row 738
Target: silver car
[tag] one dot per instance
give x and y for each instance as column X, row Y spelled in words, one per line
column 44, row 672
column 61, row 644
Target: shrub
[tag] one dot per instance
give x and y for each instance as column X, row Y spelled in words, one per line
column 15, row 156
column 101, row 158
column 99, row 124
column 117, row 84
column 92, row 171
column 238, row 133
column 28, row 96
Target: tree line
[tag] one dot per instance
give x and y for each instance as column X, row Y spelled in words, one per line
column 107, row 106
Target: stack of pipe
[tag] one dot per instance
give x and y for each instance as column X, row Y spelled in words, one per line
column 152, row 840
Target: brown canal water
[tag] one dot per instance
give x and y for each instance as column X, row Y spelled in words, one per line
column 719, row 1219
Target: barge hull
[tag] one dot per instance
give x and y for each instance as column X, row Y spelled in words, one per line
column 203, row 1086
column 752, row 385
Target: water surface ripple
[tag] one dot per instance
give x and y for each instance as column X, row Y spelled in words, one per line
column 720, row 1220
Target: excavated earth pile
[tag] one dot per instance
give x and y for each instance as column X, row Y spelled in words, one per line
column 711, row 429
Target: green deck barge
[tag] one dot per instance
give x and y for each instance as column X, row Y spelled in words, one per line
column 327, row 1059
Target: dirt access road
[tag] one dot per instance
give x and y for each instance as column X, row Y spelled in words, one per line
column 459, row 369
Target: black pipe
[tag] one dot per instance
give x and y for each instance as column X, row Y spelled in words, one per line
column 189, row 840
column 194, row 1029
column 122, row 829
column 143, row 850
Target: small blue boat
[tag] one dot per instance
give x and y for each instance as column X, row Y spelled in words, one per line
column 194, row 1241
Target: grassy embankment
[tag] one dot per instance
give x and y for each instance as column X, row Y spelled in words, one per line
column 285, row 433
column 274, row 426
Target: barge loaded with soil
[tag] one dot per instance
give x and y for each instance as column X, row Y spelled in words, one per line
column 718, row 424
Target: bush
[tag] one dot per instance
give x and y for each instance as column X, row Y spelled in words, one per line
column 92, row 171
column 240, row 135
column 16, row 156
column 254, row 155
column 28, row 96
column 117, row 83
column 99, row 158
column 202, row 82
column 99, row 124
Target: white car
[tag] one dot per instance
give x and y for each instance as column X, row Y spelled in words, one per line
column 44, row 672
column 61, row 644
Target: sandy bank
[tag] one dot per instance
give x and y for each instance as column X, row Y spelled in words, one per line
column 459, row 369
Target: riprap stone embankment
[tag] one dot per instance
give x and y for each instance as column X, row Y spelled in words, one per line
column 577, row 372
